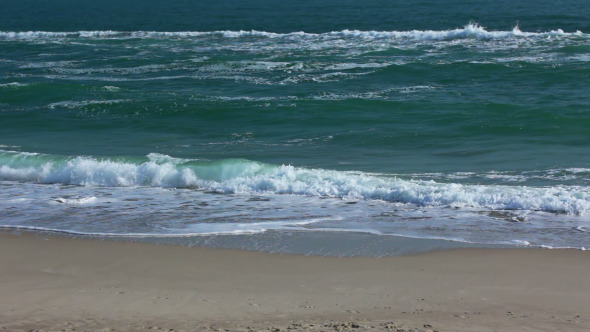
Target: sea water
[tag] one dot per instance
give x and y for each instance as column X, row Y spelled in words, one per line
column 338, row 127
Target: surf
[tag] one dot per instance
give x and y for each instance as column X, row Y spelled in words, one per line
column 471, row 30
column 241, row 176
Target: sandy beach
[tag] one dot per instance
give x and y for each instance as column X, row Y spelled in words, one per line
column 54, row 283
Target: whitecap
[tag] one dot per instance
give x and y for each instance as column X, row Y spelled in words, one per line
column 84, row 103
column 76, row 201
column 471, row 30
column 13, row 85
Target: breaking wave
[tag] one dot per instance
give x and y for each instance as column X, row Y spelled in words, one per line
column 471, row 30
column 251, row 177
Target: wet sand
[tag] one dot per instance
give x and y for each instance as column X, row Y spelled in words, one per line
column 64, row 284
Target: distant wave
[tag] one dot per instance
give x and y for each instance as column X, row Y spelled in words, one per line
column 471, row 30
column 13, row 85
column 83, row 103
column 251, row 177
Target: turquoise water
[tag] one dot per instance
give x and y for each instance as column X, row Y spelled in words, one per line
column 459, row 120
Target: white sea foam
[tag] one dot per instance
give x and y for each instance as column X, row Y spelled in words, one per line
column 83, row 103
column 347, row 66
column 59, row 68
column 560, row 175
column 521, row 242
column 581, row 58
column 111, row 88
column 200, row 229
column 76, row 201
column 471, row 30
column 384, row 94
column 248, row 177
column 47, row 64
column 18, row 200
column 13, row 85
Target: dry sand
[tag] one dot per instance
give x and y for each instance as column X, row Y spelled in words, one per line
column 63, row 284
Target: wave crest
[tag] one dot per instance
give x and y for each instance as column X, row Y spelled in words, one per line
column 251, row 177
column 472, row 30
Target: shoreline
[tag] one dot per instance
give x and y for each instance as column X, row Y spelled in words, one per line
column 307, row 243
column 59, row 283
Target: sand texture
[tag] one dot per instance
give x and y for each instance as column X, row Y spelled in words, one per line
column 61, row 284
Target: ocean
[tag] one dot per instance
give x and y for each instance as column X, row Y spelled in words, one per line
column 313, row 127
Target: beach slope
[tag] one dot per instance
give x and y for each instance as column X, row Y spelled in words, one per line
column 57, row 283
